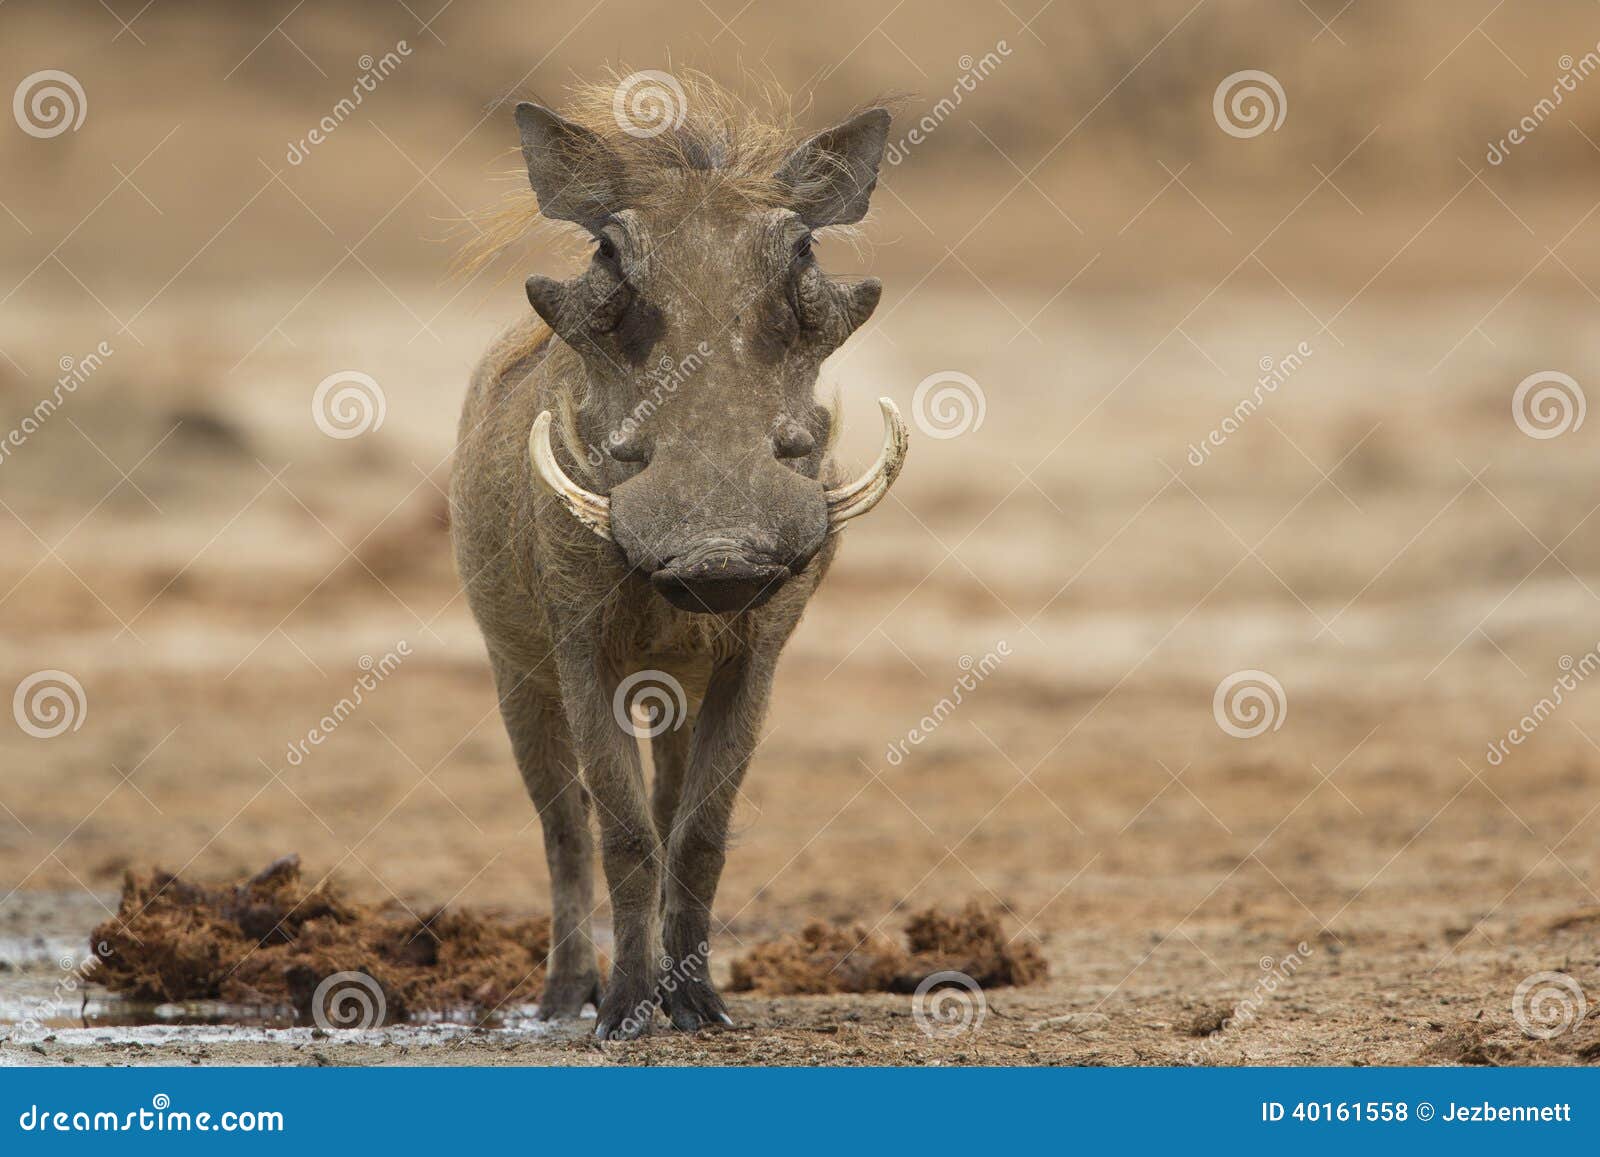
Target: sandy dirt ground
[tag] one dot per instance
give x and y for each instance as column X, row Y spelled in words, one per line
column 1367, row 880
column 1407, row 602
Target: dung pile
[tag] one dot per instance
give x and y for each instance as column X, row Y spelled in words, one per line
column 823, row 958
column 835, row 958
column 269, row 942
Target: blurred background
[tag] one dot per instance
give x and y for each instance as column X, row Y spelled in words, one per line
column 1092, row 255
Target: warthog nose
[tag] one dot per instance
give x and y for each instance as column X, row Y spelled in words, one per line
column 717, row 548
column 719, row 577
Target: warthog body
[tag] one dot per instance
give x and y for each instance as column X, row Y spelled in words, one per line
column 682, row 516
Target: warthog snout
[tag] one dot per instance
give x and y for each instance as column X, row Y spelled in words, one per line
column 770, row 520
column 715, row 531
column 721, row 576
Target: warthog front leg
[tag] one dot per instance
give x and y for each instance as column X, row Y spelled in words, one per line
column 725, row 735
column 670, row 754
column 629, row 848
column 544, row 755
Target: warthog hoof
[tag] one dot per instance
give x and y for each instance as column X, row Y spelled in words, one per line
column 565, row 996
column 627, row 1009
column 693, row 1004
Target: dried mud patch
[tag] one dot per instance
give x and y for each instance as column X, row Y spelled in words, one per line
column 269, row 941
column 831, row 958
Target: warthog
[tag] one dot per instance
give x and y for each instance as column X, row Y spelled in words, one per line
column 643, row 484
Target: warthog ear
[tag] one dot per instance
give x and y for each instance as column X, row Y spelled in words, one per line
column 832, row 175
column 576, row 177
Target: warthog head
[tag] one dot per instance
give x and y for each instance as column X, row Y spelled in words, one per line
column 702, row 321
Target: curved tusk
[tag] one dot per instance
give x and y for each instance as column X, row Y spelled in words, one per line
column 589, row 508
column 856, row 498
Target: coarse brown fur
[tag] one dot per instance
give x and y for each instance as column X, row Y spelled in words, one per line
column 715, row 479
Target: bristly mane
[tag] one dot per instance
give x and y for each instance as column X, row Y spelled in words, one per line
column 724, row 141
